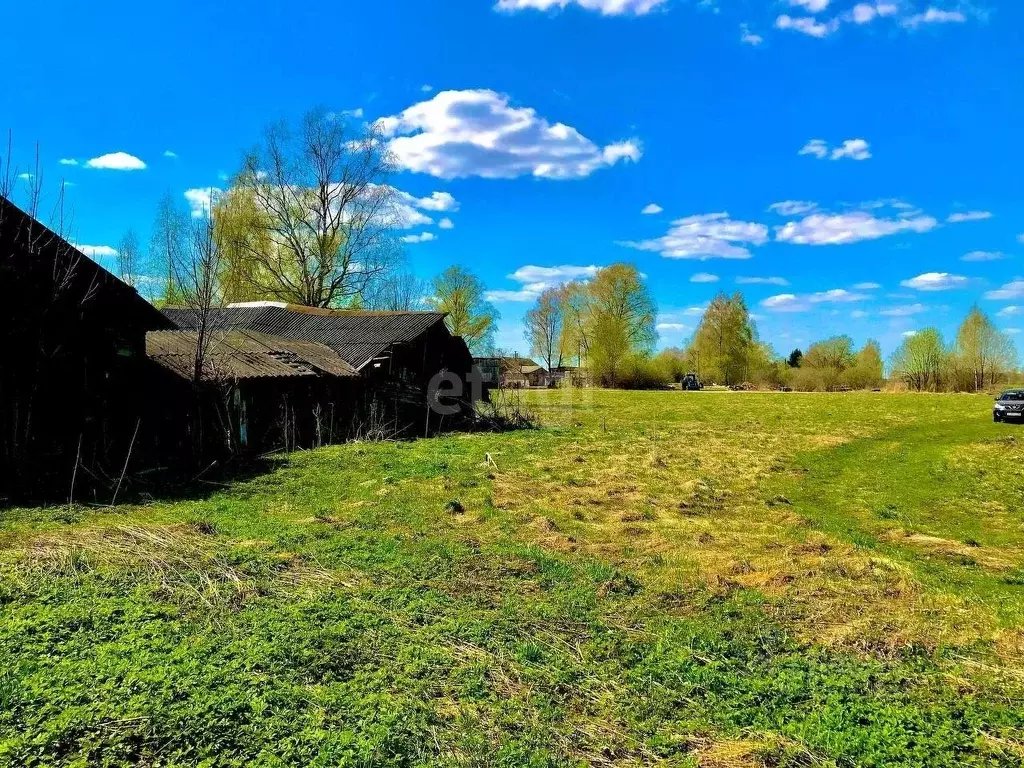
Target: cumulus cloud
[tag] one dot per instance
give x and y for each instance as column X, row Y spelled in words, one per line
column 780, row 281
column 604, row 7
column 854, row 149
column 904, row 311
column 956, row 218
column 811, row 6
column 748, row 37
column 651, row 208
column 1011, row 290
column 844, row 228
column 705, row 236
column 816, row 147
column 672, row 327
column 983, row 256
column 458, row 134
column 864, row 13
column 934, row 16
column 446, row 223
column 807, row 25
column 68, row 161
column 96, row 251
column 703, row 277
column 793, row 207
column 784, row 302
column 836, row 295
column 534, row 280
column 201, row 200
column 935, row 281
column 169, row 154
column 422, row 237
column 117, row 161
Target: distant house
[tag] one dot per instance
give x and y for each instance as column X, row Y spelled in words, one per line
column 394, row 358
column 73, row 365
column 514, row 372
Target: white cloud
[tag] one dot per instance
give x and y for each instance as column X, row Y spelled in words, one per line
column 816, row 147
column 438, row 201
column 784, row 302
column 423, row 237
column 446, row 223
column 604, row 7
column 844, row 228
column 68, row 161
column 904, row 311
column 857, row 314
column 780, row 281
column 908, row 334
column 426, row 88
column 172, row 155
column 935, row 281
column 855, row 149
column 117, row 161
column 703, row 277
column 864, row 13
column 672, row 327
column 534, row 280
column 807, row 25
column 748, row 37
column 705, row 236
column 1012, row 290
column 26, row 176
column 811, row 6
column 200, row 200
column 96, row 251
column 983, row 256
column 1010, row 311
column 934, row 16
column 1013, row 331
column 1020, row 238
column 458, row 134
column 836, row 295
column 651, row 209
column 956, row 218
column 793, row 207
column 406, row 209
column 867, row 286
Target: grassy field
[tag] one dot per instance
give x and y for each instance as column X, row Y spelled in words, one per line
column 713, row 579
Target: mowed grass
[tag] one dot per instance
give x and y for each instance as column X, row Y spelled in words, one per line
column 716, row 579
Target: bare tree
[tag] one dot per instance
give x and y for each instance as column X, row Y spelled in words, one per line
column 320, row 217
column 129, row 256
column 196, row 272
column 397, row 292
column 545, row 326
column 168, row 244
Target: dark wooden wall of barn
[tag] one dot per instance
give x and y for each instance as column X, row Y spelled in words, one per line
column 72, row 355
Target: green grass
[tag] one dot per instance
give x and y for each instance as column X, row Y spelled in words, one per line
column 650, row 579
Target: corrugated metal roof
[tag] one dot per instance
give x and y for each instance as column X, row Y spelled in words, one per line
column 244, row 355
column 357, row 336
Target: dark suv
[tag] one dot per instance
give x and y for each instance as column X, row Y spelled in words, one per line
column 1009, row 406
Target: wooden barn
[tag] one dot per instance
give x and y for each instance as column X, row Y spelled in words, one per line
column 73, row 340
column 392, row 358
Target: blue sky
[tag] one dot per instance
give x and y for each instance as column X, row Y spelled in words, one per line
column 846, row 156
